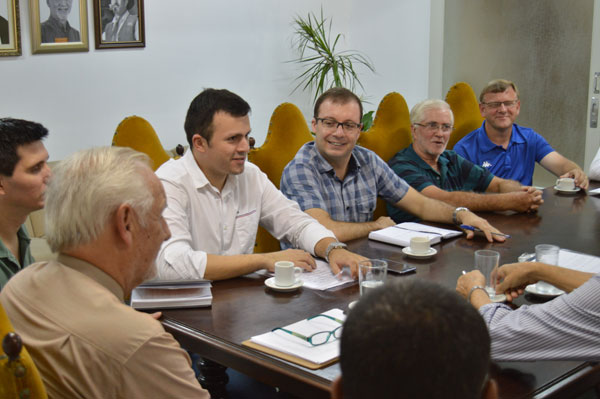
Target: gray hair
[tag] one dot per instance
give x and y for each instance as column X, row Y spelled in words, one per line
column 86, row 189
column 417, row 113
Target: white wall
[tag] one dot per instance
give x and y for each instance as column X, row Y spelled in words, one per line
column 235, row 44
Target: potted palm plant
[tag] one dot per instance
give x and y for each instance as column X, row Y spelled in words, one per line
column 323, row 65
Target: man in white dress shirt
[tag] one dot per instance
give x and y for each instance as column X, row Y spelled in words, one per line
column 216, row 200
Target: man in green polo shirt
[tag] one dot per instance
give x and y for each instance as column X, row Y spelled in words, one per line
column 444, row 175
column 24, row 174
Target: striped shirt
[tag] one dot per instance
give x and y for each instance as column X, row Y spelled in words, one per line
column 566, row 328
column 456, row 174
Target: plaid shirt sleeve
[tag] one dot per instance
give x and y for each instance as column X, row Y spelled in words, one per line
column 390, row 186
column 300, row 182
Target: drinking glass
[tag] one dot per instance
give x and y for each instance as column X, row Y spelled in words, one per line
column 371, row 274
column 486, row 262
column 546, row 253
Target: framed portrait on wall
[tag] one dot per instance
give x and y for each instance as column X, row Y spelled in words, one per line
column 119, row 23
column 58, row 26
column 10, row 30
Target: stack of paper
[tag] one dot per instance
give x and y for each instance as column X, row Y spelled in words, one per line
column 578, row 261
column 401, row 234
column 322, row 278
column 297, row 347
column 172, row 294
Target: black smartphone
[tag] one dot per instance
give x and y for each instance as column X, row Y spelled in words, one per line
column 399, row 267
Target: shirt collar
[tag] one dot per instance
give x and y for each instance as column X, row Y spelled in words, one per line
column 94, row 273
column 199, row 178
column 485, row 144
column 22, row 237
column 413, row 156
column 325, row 167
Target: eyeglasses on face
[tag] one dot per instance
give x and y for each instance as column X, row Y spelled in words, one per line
column 318, row 338
column 496, row 105
column 434, row 126
column 332, row 124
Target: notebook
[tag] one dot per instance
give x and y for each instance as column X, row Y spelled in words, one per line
column 401, row 234
column 172, row 294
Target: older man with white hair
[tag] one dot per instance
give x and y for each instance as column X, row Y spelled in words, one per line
column 104, row 217
column 444, row 175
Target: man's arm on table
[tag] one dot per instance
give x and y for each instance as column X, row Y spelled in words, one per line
column 504, row 195
column 346, row 231
column 564, row 328
column 437, row 211
column 563, row 167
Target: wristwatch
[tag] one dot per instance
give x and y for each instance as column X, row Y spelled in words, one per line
column 332, row 246
column 455, row 214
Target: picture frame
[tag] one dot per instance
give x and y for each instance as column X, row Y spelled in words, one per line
column 55, row 29
column 10, row 28
column 119, row 24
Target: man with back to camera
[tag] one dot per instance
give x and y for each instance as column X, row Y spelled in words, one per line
column 24, row 175
column 337, row 182
column 216, row 200
column 56, row 29
column 414, row 339
column 565, row 328
column 442, row 174
column 506, row 149
column 104, row 217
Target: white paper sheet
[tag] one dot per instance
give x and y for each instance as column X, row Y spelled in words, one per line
column 322, row 278
column 578, row 261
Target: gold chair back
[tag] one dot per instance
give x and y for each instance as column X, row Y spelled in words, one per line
column 389, row 134
column 288, row 131
column 137, row 133
column 465, row 107
column 19, row 378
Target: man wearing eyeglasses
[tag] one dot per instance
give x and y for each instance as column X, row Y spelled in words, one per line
column 441, row 174
column 507, row 149
column 337, row 182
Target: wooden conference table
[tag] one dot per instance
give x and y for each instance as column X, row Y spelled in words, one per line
column 244, row 307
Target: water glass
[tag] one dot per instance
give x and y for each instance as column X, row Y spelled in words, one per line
column 371, row 274
column 486, row 262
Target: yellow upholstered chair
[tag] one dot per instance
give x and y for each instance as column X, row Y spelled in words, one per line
column 288, row 131
column 137, row 133
column 389, row 134
column 464, row 105
column 19, row 378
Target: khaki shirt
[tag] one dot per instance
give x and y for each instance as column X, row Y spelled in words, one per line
column 87, row 343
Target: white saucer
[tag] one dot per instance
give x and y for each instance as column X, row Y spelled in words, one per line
column 428, row 254
column 497, row 298
column 270, row 282
column 551, row 293
column 562, row 190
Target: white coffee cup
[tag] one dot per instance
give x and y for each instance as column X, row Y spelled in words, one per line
column 286, row 274
column 565, row 183
column 419, row 245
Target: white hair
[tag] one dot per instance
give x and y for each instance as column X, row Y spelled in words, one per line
column 417, row 113
column 87, row 188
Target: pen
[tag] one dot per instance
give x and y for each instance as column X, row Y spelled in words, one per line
column 467, row 227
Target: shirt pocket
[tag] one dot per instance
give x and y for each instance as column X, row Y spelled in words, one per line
column 246, row 225
column 364, row 209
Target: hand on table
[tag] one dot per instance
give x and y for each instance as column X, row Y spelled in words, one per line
column 472, row 219
column 338, row 258
column 300, row 258
column 512, row 279
column 528, row 200
column 384, row 221
column 468, row 281
column 581, row 180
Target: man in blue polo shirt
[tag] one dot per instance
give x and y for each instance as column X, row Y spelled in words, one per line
column 444, row 175
column 507, row 149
